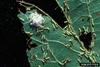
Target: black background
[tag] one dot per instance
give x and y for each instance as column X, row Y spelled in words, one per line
column 12, row 39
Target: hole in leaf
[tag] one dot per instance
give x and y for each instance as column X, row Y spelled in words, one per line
column 86, row 38
column 31, row 45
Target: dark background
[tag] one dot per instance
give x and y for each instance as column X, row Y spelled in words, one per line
column 12, row 39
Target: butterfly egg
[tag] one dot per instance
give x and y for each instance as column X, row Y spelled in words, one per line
column 36, row 19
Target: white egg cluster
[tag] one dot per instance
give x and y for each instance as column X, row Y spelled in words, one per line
column 36, row 19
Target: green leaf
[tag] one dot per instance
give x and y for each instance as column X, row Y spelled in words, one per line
column 57, row 47
column 84, row 14
column 52, row 44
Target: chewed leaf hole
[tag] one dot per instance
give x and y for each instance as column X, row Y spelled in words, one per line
column 31, row 45
column 86, row 38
